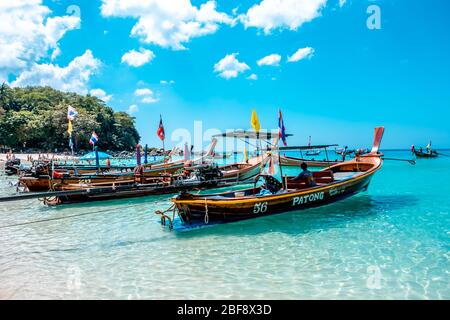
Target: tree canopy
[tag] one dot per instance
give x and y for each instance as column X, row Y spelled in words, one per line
column 36, row 117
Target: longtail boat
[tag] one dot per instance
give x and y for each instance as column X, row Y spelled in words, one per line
column 432, row 154
column 61, row 180
column 332, row 184
column 49, row 180
column 75, row 193
column 204, row 177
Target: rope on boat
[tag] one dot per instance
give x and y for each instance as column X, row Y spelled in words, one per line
column 165, row 217
column 206, row 212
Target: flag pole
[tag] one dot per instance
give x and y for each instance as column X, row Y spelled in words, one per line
column 281, row 167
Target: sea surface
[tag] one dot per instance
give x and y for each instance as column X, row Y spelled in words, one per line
column 391, row 242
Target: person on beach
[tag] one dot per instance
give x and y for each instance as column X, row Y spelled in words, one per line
column 108, row 163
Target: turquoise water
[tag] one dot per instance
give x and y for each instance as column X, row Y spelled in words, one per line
column 391, row 242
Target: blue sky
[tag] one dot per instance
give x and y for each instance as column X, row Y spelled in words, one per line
column 353, row 80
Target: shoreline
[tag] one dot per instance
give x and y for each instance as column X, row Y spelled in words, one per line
column 34, row 156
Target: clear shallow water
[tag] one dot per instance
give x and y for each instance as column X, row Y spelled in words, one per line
column 391, row 242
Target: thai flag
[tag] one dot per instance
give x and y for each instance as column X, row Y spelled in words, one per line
column 71, row 113
column 160, row 132
column 281, row 128
column 94, row 138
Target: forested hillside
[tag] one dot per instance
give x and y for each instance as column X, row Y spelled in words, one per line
column 36, row 117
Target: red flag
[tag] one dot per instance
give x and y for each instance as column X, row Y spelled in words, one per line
column 160, row 132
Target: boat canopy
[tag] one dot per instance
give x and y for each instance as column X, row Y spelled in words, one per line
column 91, row 156
column 243, row 134
column 324, row 146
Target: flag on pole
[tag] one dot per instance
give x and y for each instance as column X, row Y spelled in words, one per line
column 94, row 138
column 281, row 128
column 160, row 132
column 71, row 113
column 255, row 122
column 70, row 128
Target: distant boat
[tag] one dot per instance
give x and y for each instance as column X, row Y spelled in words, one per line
column 312, row 152
column 431, row 154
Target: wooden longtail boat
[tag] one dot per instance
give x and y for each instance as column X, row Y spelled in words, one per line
column 419, row 154
column 335, row 183
column 127, row 189
column 313, row 153
column 236, row 172
column 60, row 178
column 124, row 189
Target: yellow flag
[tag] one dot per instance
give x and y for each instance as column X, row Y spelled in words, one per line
column 70, row 128
column 255, row 122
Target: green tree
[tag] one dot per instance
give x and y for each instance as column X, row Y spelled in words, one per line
column 37, row 118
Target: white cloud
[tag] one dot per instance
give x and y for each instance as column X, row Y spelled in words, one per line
column 72, row 78
column 342, row 2
column 28, row 34
column 230, row 67
column 149, row 99
column 274, row 14
column 301, row 54
column 143, row 92
column 101, row 94
column 133, row 109
column 270, row 60
column 167, row 23
column 252, row 77
column 138, row 58
column 146, row 94
column 167, row 82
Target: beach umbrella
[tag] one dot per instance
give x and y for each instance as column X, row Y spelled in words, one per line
column 145, row 154
column 93, row 156
column 138, row 154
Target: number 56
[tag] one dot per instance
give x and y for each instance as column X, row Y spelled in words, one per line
column 260, row 207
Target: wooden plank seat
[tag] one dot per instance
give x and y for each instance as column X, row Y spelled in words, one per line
column 320, row 177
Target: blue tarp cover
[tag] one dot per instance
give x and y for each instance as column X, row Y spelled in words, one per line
column 91, row 156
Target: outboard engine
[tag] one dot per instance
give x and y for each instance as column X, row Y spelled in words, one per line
column 208, row 173
column 12, row 167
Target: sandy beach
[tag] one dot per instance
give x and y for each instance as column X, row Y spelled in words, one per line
column 34, row 156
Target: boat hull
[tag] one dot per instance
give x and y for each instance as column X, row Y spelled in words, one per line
column 134, row 192
column 425, row 155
